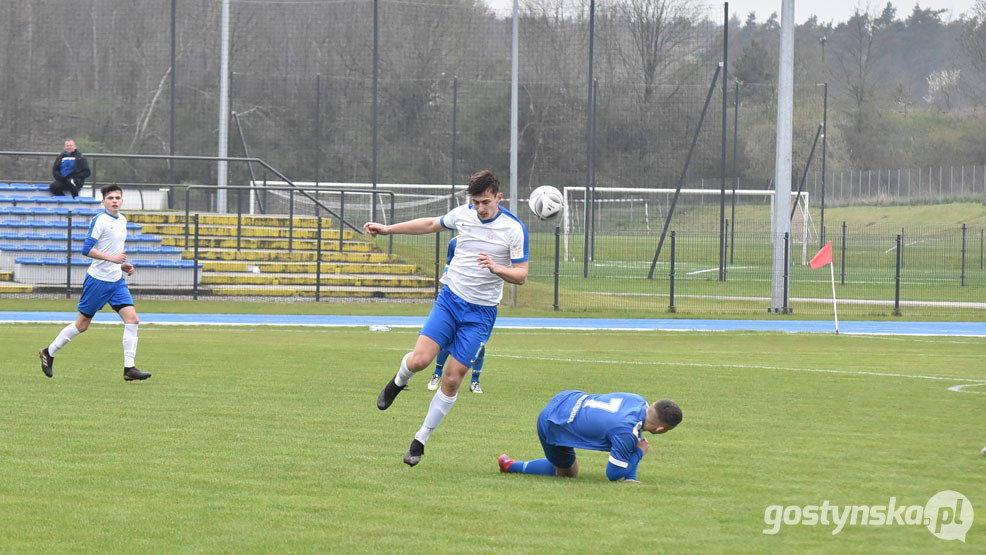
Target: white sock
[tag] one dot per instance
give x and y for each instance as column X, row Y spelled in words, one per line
column 440, row 405
column 129, row 344
column 64, row 336
column 404, row 375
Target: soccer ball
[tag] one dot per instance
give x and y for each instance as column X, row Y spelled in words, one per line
column 546, row 202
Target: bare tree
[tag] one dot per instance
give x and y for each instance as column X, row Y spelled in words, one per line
column 655, row 41
column 973, row 41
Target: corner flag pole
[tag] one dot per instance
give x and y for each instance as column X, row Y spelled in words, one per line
column 834, row 309
column 823, row 257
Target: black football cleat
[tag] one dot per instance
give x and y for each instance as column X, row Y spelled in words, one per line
column 388, row 394
column 414, row 453
column 47, row 361
column 131, row 373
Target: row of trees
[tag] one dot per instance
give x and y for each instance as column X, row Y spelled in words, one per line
column 302, row 86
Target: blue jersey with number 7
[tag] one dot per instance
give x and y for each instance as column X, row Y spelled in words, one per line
column 609, row 422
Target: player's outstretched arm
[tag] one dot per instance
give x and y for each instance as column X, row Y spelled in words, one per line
column 419, row 226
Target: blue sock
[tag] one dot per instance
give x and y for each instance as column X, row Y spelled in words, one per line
column 475, row 376
column 440, row 362
column 538, row 466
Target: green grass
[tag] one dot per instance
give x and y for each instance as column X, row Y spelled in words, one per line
column 268, row 439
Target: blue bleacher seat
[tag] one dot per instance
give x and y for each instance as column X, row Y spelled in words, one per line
column 4, row 186
column 27, row 260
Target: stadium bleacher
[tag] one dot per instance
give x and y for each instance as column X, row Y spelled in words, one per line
column 51, row 270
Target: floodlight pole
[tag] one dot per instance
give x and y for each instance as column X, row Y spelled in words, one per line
column 514, row 64
column 781, row 223
column 722, row 163
column 588, row 144
column 171, row 147
column 221, row 174
column 376, row 73
column 825, row 122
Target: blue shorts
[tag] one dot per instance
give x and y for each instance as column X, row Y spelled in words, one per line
column 459, row 326
column 96, row 293
column 558, row 455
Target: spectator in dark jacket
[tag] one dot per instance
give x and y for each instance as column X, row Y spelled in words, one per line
column 70, row 171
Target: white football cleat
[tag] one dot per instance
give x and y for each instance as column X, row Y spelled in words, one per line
column 434, row 383
column 474, row 387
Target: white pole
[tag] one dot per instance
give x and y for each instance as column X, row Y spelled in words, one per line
column 834, row 309
column 221, row 179
column 513, row 127
column 781, row 223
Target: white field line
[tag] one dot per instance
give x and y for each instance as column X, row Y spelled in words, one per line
column 971, row 382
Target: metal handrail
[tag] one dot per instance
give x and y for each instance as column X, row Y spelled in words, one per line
column 293, row 189
column 191, row 158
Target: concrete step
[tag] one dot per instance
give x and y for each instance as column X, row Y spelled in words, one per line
column 349, row 292
column 16, row 288
column 245, row 231
column 226, row 219
column 271, row 244
column 344, row 280
column 262, row 255
column 309, row 268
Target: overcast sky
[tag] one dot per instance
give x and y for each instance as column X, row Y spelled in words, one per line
column 827, row 10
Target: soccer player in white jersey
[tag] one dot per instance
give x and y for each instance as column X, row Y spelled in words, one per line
column 104, row 283
column 492, row 247
column 612, row 422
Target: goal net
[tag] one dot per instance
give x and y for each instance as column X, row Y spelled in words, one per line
column 639, row 211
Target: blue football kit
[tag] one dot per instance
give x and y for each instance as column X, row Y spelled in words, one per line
column 610, row 422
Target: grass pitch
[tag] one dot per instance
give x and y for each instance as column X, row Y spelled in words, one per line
column 268, row 439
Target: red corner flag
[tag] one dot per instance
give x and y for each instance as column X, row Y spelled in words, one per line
column 823, row 257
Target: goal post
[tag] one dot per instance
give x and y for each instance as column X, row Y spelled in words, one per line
column 643, row 210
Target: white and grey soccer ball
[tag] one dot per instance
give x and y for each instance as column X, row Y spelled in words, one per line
column 546, row 202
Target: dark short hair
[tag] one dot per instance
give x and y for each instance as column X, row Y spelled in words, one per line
column 481, row 181
column 668, row 412
column 107, row 189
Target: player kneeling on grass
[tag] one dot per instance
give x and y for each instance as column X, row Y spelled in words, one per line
column 104, row 284
column 612, row 422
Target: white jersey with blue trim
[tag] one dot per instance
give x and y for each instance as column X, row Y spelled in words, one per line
column 610, row 422
column 503, row 238
column 110, row 235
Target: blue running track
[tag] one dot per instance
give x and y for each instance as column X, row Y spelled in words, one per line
column 965, row 329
